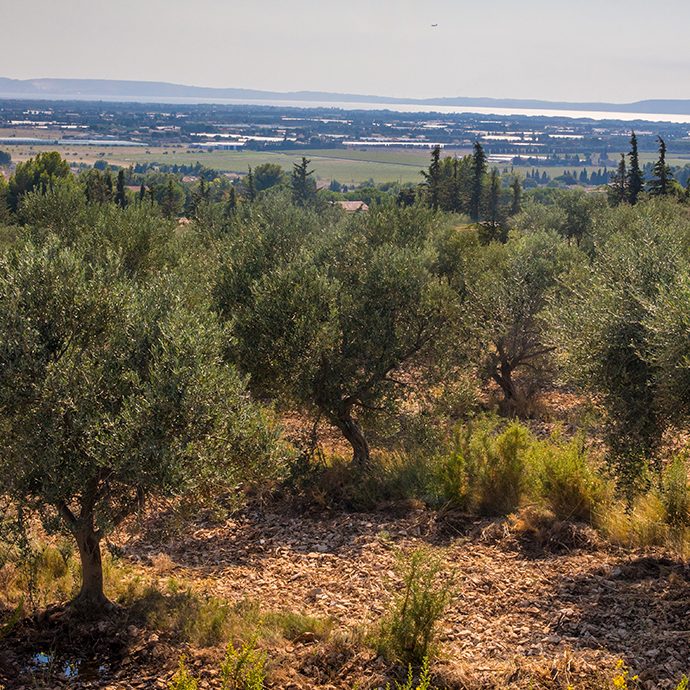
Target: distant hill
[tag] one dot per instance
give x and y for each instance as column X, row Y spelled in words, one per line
column 114, row 90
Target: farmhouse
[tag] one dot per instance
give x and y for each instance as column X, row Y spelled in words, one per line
column 353, row 206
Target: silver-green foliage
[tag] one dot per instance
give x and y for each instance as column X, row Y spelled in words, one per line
column 617, row 342
column 111, row 391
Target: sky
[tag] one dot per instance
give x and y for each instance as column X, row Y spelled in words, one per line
column 574, row 50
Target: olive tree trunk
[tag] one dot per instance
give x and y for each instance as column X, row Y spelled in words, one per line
column 91, row 599
column 503, row 376
column 355, row 437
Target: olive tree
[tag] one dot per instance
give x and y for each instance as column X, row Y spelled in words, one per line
column 603, row 325
column 333, row 328
column 507, row 290
column 111, row 391
column 668, row 327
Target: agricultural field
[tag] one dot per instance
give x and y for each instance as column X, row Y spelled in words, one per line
column 346, row 166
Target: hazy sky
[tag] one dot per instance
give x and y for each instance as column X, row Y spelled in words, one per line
column 614, row 50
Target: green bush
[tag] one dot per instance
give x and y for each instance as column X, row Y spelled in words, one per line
column 485, row 470
column 407, row 632
column 566, row 481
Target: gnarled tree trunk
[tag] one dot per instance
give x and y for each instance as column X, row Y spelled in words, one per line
column 503, row 376
column 355, row 437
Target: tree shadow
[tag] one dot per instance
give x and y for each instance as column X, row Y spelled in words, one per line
column 254, row 535
column 53, row 648
column 637, row 609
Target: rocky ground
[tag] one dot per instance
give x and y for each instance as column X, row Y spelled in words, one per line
column 532, row 607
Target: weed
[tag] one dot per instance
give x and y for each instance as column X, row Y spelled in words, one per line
column 294, row 626
column 424, row 682
column 622, row 680
column 201, row 620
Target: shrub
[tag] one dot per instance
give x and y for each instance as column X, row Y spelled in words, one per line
column 244, row 668
column 486, row 471
column 407, row 633
column 566, row 480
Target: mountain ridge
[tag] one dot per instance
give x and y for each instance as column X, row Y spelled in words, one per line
column 114, row 89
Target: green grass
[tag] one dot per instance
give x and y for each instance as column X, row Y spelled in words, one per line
column 347, row 166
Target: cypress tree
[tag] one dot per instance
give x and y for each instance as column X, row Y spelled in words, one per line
column 231, row 204
column 635, row 179
column 249, row 187
column 661, row 184
column 455, row 201
column 494, row 198
column 108, row 185
column 516, row 189
column 432, row 177
column 478, row 172
column 120, row 194
column 618, row 192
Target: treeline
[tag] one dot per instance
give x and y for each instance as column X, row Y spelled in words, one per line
column 595, row 178
column 629, row 183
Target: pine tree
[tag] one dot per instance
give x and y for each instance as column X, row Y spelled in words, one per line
column 303, row 185
column 516, row 189
column 661, row 184
column 121, row 194
column 635, row 179
column 618, row 191
column 478, row 172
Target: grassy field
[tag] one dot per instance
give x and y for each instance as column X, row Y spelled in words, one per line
column 346, row 166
